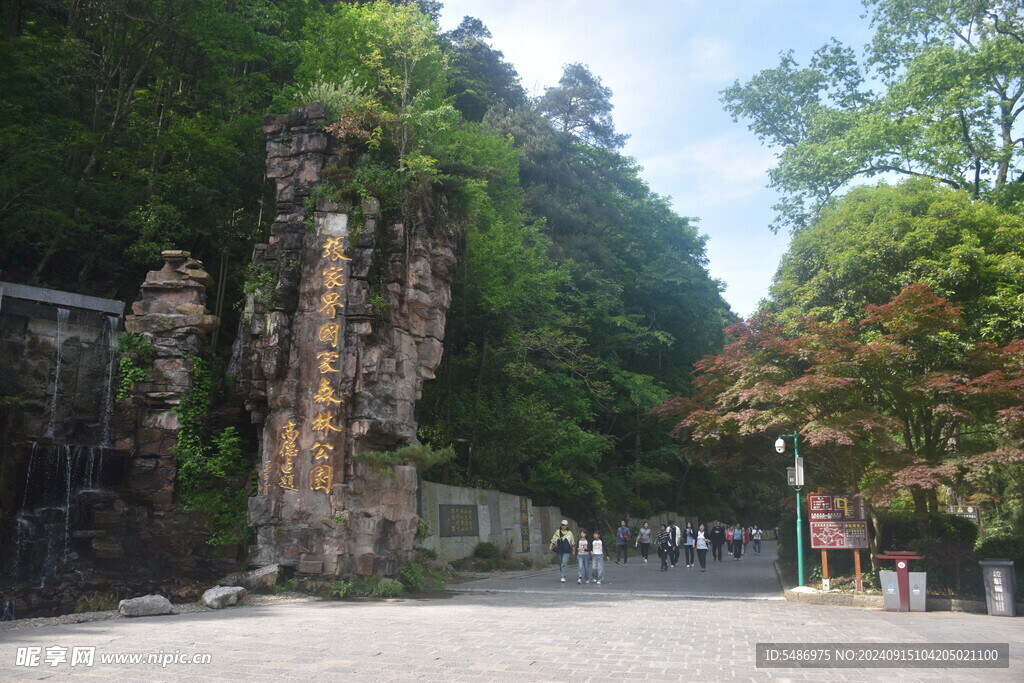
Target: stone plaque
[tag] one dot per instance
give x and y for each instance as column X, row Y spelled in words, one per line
column 524, row 522
column 458, row 520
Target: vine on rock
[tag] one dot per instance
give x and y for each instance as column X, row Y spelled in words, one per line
column 211, row 466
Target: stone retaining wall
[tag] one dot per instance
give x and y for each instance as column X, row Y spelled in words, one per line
column 460, row 518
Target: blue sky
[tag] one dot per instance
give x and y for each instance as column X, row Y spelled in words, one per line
column 666, row 62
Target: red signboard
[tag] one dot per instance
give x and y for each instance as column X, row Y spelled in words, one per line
column 838, row 521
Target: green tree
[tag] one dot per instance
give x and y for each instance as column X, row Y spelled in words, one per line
column 130, row 127
column 876, row 240
column 393, row 52
column 581, row 106
column 953, row 81
column 480, row 78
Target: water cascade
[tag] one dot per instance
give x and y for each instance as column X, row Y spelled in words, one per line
column 57, row 462
column 113, row 325
column 62, row 322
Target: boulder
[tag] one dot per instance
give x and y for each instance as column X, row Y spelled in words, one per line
column 222, row 596
column 146, row 606
column 262, row 579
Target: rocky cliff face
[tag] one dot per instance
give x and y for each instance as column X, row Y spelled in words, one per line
column 345, row 322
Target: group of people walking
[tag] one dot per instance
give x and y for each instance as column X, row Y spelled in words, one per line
column 735, row 539
column 695, row 543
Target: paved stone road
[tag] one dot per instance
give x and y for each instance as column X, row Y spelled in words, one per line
column 752, row 577
column 545, row 631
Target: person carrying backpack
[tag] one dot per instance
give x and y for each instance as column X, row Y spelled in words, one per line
column 563, row 545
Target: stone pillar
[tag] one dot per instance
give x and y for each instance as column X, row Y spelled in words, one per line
column 332, row 360
column 171, row 314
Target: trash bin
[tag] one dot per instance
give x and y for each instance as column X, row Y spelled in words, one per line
column 918, row 591
column 890, row 590
column 1000, row 587
column 897, row 593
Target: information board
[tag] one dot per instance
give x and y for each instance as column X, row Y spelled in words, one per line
column 458, row 520
column 838, row 521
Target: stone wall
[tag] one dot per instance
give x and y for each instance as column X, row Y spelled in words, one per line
column 330, row 360
column 459, row 518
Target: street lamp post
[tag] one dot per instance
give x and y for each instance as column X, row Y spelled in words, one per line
column 796, row 479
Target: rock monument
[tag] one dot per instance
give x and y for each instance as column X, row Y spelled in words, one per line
column 344, row 322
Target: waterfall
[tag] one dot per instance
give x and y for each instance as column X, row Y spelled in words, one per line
column 22, row 538
column 91, row 469
column 112, row 326
column 67, row 500
column 62, row 322
column 28, row 474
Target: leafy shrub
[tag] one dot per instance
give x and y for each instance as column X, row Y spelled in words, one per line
column 948, row 552
column 900, row 531
column 387, row 589
column 413, row 576
column 211, row 468
column 423, row 457
column 486, row 551
column 341, row 587
column 417, row 578
column 425, row 554
column 134, row 358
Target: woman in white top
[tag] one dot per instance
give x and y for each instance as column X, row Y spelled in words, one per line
column 597, row 557
column 702, row 547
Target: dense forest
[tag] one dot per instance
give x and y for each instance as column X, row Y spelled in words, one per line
column 582, row 299
column 585, row 360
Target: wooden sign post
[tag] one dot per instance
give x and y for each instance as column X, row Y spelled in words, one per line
column 838, row 522
column 825, row 583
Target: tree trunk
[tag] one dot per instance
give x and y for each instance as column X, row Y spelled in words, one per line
column 875, row 540
column 921, row 511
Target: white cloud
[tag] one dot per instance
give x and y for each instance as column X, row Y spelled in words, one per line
column 714, row 171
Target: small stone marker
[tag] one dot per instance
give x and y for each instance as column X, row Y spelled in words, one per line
column 222, row 596
column 146, row 606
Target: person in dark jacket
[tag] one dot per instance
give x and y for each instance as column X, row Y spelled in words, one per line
column 717, row 541
column 664, row 547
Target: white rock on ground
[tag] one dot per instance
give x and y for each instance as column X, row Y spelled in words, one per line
column 146, row 606
column 222, row 596
column 261, row 579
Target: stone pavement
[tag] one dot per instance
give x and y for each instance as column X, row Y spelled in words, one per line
column 546, row 631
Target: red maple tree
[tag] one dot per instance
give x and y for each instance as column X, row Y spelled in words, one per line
column 902, row 401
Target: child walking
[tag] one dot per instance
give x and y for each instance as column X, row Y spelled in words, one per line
column 583, row 558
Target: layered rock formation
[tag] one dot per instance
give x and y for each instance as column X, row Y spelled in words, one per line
column 171, row 314
column 333, row 348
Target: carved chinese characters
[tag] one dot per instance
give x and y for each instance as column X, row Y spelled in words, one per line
column 324, row 421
